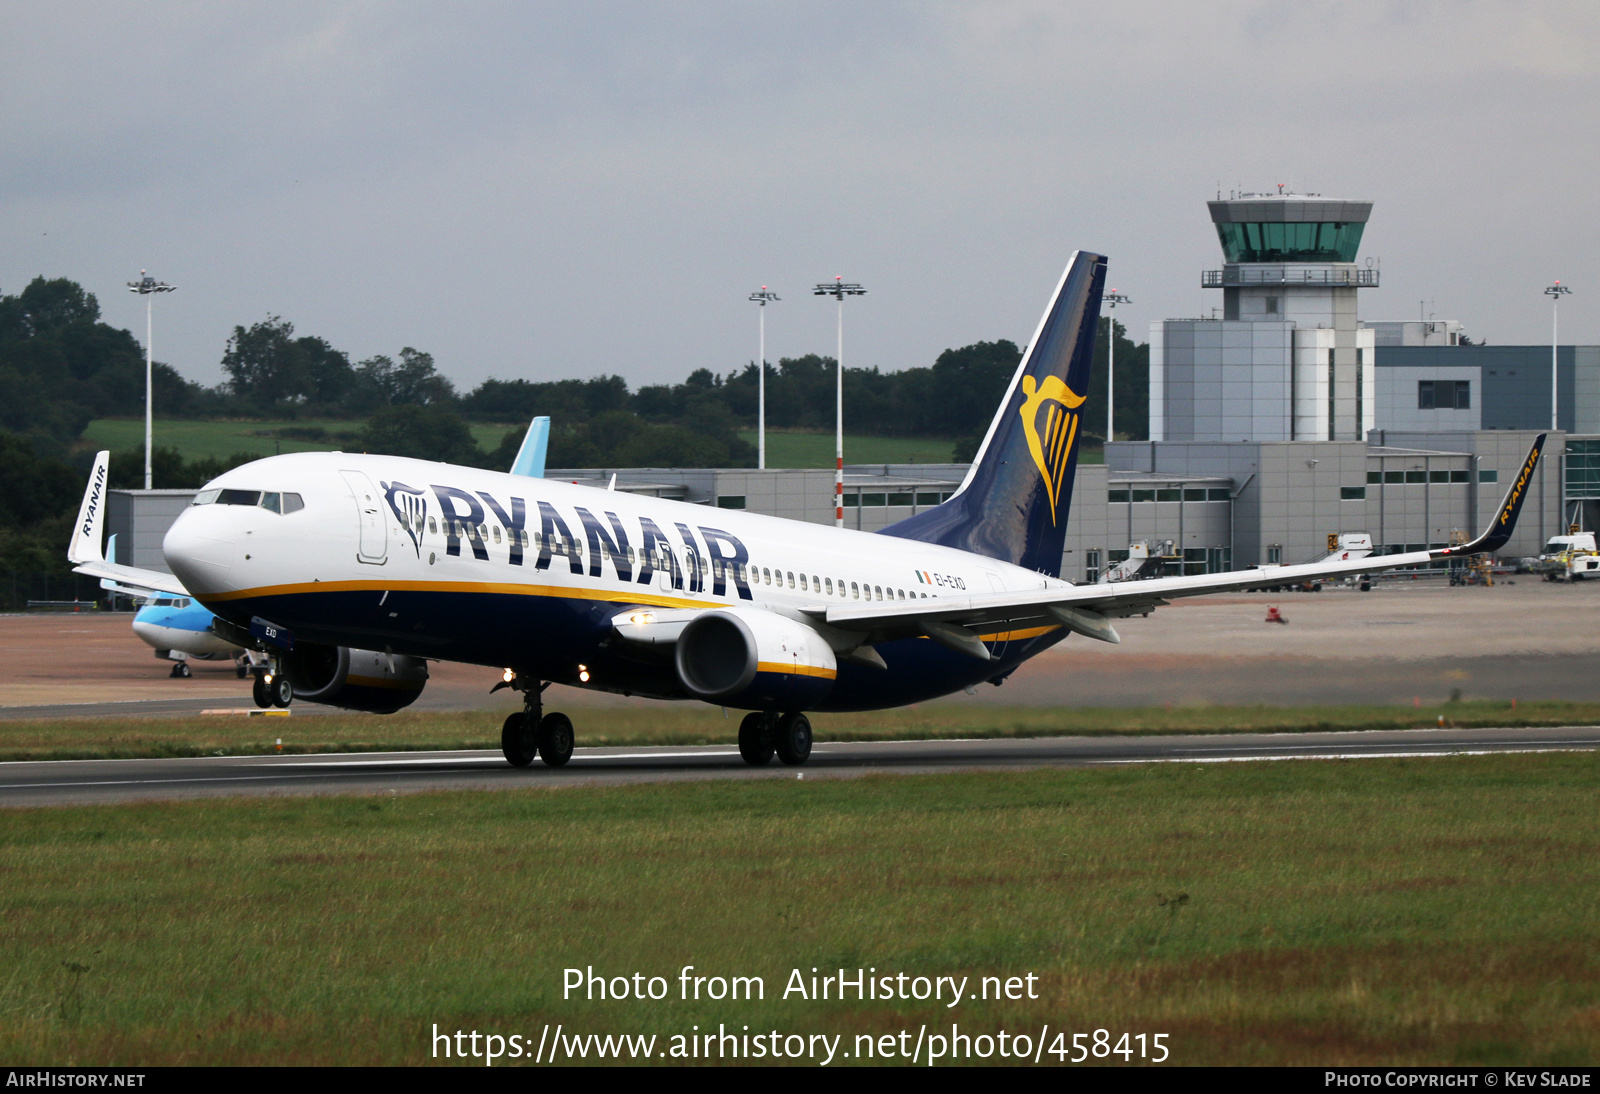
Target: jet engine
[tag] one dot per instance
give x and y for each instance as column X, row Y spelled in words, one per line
column 753, row 659
column 338, row 676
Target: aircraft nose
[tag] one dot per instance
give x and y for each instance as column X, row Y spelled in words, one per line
column 199, row 548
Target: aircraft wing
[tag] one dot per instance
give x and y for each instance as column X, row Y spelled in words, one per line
column 84, row 548
column 958, row 622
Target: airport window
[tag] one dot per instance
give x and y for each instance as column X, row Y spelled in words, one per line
column 1168, row 494
column 874, row 500
column 1275, row 554
column 1488, row 476
column 1444, row 394
column 929, row 498
column 1352, row 493
column 1438, row 476
column 1416, row 476
column 1194, row 494
column 1116, row 495
column 1374, row 476
column 1458, row 476
column 730, row 501
column 1272, row 305
column 947, row 495
column 1144, row 495
column 899, row 499
column 1216, row 493
column 1091, row 565
column 852, row 500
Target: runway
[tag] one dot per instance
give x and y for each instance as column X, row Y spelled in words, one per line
column 83, row 782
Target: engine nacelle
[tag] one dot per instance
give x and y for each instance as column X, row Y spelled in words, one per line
column 755, row 660
column 367, row 680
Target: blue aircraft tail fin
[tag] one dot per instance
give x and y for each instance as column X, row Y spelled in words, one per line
column 530, row 457
column 1014, row 502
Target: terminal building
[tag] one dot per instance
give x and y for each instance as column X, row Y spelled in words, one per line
column 1280, row 422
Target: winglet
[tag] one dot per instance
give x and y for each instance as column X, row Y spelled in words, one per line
column 1498, row 534
column 530, row 457
column 85, row 543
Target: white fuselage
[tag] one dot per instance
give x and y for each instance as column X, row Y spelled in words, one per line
column 447, row 561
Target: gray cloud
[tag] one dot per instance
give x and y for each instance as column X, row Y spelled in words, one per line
column 564, row 190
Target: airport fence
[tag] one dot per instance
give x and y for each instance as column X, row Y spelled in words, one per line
column 19, row 587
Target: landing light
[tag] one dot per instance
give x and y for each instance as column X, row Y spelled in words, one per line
column 642, row 617
column 583, row 674
column 508, row 676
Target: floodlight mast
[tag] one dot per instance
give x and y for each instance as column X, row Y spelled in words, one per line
column 762, row 299
column 1111, row 300
column 1555, row 293
column 147, row 287
column 839, row 290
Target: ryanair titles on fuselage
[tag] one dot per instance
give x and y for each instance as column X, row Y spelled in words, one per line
column 715, row 554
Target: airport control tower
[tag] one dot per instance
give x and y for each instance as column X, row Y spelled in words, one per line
column 1287, row 360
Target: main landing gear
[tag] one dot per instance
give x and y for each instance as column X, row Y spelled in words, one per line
column 764, row 733
column 531, row 732
column 181, row 671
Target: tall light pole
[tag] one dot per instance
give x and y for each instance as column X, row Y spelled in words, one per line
column 147, row 287
column 762, row 298
column 1555, row 293
column 839, row 290
column 1111, row 300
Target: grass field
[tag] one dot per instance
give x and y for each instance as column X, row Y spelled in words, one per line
column 1392, row 911
column 198, row 440
column 695, row 723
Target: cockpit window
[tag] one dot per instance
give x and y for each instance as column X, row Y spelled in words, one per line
column 271, row 500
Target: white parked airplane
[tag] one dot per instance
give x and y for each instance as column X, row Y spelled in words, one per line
column 308, row 555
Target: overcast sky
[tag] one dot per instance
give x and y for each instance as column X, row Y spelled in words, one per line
column 562, row 190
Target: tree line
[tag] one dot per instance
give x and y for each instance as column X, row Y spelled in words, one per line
column 61, row 366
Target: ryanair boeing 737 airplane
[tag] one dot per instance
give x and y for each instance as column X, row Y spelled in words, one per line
column 352, row 571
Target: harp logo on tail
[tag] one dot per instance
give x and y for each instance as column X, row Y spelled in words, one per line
column 1051, row 434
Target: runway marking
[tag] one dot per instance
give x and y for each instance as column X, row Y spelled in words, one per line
column 1443, row 751
column 498, row 760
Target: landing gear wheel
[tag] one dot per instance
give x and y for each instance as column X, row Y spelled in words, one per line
column 180, row 671
column 261, row 692
column 793, row 739
column 555, row 739
column 240, row 671
column 517, row 740
column 282, row 691
column 755, row 738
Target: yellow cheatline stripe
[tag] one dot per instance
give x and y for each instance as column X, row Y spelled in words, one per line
column 619, row 596
column 796, row 670
column 1017, row 636
column 383, row 682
